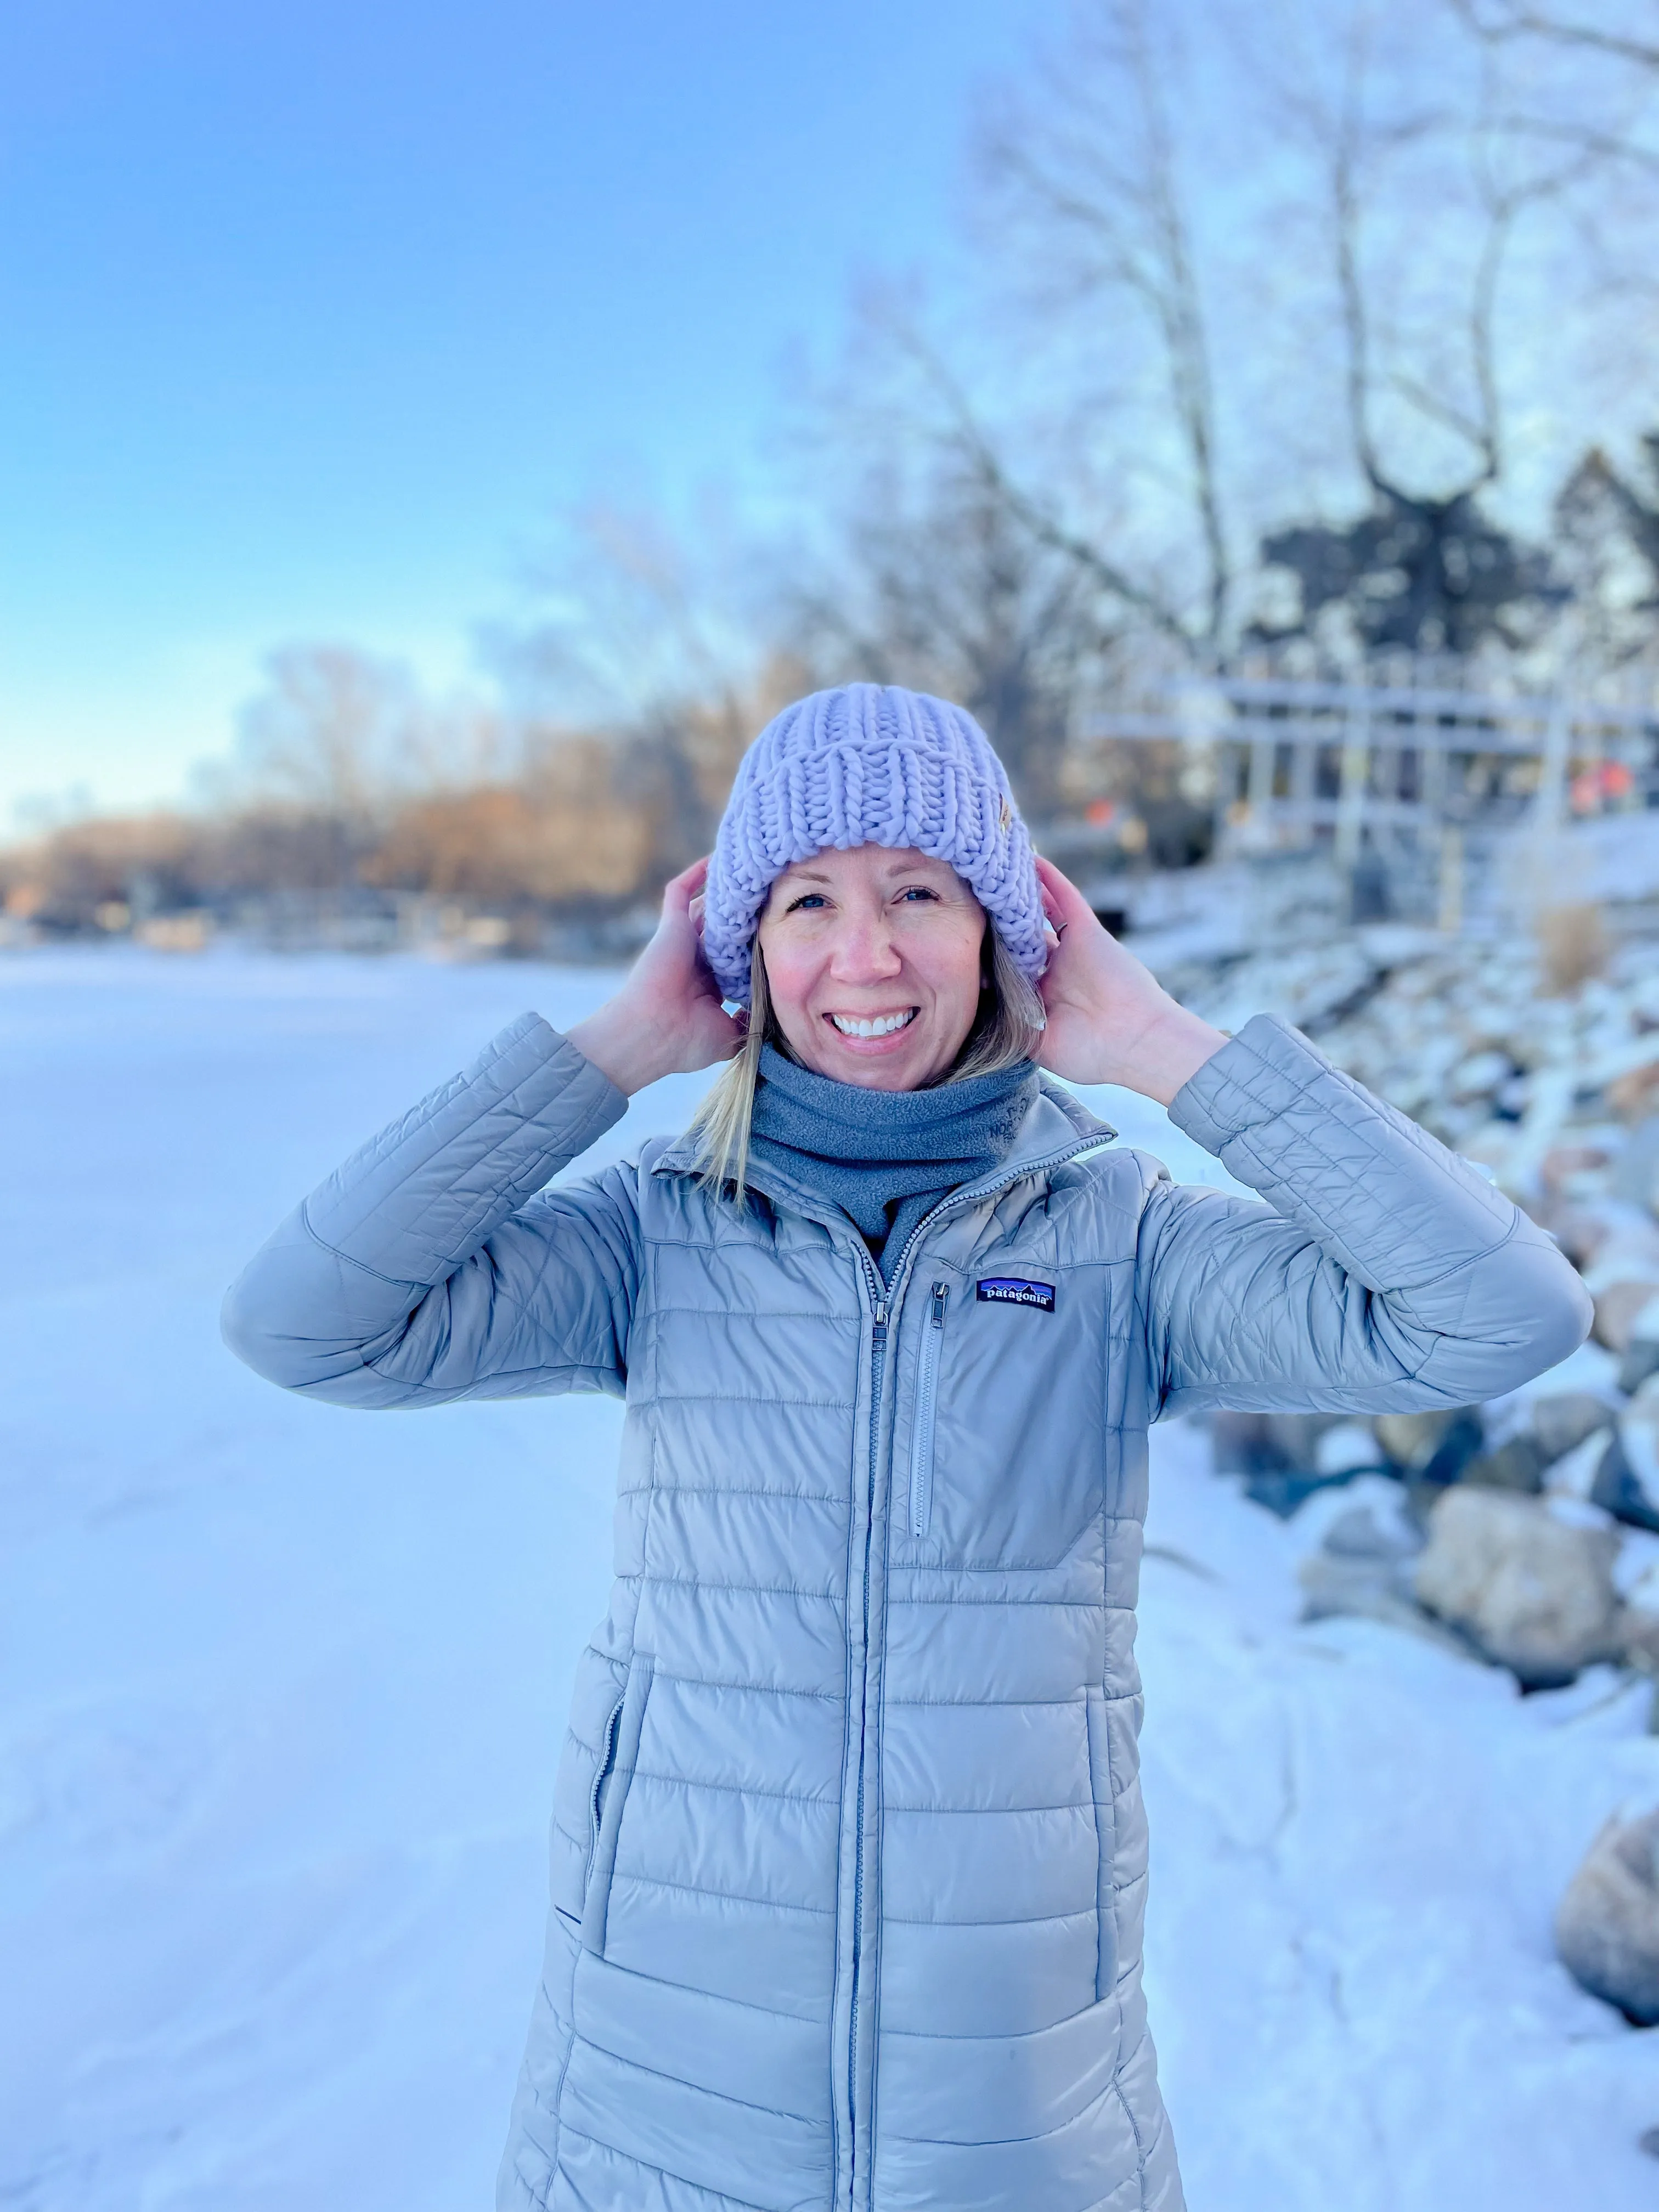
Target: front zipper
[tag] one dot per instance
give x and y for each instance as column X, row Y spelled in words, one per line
column 877, row 1361
column 883, row 1301
column 921, row 1429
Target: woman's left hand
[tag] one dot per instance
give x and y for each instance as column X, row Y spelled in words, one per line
column 1109, row 1019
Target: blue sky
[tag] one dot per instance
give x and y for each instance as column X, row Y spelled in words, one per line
column 311, row 315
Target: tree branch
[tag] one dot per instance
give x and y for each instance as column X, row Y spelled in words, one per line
column 1130, row 213
column 1520, row 23
column 974, row 444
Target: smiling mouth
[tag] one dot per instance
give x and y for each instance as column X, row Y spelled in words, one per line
column 873, row 1025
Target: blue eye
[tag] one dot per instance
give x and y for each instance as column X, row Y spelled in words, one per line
column 917, row 891
column 806, row 900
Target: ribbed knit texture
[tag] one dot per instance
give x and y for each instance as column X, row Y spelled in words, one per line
column 869, row 764
column 885, row 1157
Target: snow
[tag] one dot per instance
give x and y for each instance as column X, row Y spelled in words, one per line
column 281, row 1688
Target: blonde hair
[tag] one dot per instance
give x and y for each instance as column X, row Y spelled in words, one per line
column 1006, row 1026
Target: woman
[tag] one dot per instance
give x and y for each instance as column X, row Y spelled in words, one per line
column 848, row 1855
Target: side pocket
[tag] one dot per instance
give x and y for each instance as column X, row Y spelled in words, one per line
column 922, row 1416
column 596, row 1697
column 602, row 1771
column 612, row 1779
column 1100, row 1789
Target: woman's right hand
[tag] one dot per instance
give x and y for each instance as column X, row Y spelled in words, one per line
column 666, row 1019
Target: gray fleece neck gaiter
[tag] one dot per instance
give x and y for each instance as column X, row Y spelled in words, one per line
column 885, row 1157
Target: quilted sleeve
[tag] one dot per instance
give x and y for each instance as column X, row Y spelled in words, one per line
column 428, row 1268
column 1383, row 1273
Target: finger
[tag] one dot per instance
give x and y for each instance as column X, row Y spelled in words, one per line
column 1062, row 900
column 679, row 890
column 1058, row 884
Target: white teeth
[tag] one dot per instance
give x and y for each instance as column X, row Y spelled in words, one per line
column 883, row 1025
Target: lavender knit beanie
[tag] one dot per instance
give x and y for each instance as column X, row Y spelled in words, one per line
column 869, row 764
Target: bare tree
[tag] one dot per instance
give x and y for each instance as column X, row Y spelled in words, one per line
column 334, row 729
column 1084, row 184
column 635, row 631
column 943, row 584
column 1425, row 566
column 1423, row 202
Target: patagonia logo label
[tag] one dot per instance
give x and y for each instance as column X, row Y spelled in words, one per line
column 1015, row 1291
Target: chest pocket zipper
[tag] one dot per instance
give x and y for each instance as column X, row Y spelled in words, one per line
column 922, row 1427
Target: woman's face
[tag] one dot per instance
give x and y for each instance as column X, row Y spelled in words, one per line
column 872, row 959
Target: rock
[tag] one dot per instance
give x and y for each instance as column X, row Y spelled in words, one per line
column 1533, row 1590
column 1639, row 1634
column 1635, row 1173
column 1627, row 1480
column 1478, row 1075
column 1573, row 1475
column 1297, row 1437
column 1240, row 1444
column 1349, row 1448
column 1334, row 1589
column 1433, row 1448
column 1563, row 1165
column 1639, row 1622
column 1635, row 1093
column 1279, row 1455
column 1363, row 1571
column 1359, row 1535
column 1580, row 1232
column 1617, row 1308
column 1607, row 1928
column 1641, row 1356
column 1265, row 1443
column 1518, row 1465
column 1287, row 1492
column 1333, row 1584
column 1566, row 1419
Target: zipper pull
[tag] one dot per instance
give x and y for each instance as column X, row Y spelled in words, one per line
column 881, row 1316
column 941, row 1292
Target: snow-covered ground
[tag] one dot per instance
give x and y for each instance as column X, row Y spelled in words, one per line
column 281, row 1687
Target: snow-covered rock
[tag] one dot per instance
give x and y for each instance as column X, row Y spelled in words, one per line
column 1623, row 1307
column 1535, row 1591
column 1639, row 1626
column 1573, row 1475
column 1607, row 1928
column 1363, row 1571
column 1627, row 1480
column 1641, row 1358
column 1436, row 1446
column 1516, row 1465
column 1567, row 1419
column 1346, row 1448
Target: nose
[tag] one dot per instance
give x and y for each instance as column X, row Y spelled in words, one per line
column 864, row 951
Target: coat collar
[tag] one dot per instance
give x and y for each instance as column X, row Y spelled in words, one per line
column 1057, row 1127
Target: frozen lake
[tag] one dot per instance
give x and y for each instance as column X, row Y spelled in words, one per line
column 281, row 1689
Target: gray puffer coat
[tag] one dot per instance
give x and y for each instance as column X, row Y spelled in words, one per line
column 848, row 1860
